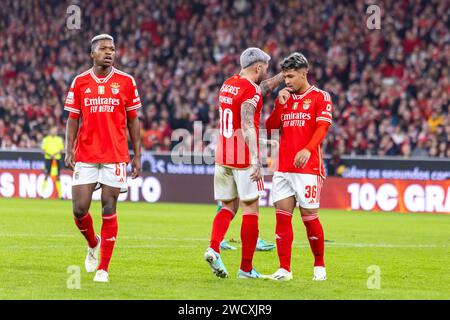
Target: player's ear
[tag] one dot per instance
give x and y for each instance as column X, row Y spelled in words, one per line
column 304, row 72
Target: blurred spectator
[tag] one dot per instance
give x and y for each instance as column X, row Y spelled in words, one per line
column 390, row 87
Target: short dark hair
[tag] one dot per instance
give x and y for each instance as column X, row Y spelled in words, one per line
column 294, row 61
column 95, row 40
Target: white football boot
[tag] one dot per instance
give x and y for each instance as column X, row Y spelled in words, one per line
column 216, row 263
column 101, row 276
column 281, row 275
column 91, row 261
column 320, row 274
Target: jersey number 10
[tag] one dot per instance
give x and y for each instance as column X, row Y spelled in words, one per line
column 226, row 122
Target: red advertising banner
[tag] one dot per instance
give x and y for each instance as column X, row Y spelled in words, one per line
column 386, row 195
column 337, row 193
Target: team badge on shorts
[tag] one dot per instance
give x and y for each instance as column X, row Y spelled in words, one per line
column 115, row 88
column 306, row 104
column 76, row 175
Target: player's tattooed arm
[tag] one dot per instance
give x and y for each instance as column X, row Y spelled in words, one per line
column 71, row 134
column 250, row 136
column 134, row 130
column 270, row 84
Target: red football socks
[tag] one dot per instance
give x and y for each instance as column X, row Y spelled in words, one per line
column 86, row 228
column 249, row 238
column 284, row 237
column 109, row 235
column 220, row 226
column 315, row 236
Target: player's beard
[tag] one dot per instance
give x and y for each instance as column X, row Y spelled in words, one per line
column 260, row 79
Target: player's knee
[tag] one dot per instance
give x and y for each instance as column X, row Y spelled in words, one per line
column 282, row 207
column 250, row 206
column 79, row 211
column 109, row 208
column 308, row 213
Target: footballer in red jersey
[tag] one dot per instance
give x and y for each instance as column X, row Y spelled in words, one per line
column 237, row 177
column 102, row 104
column 303, row 114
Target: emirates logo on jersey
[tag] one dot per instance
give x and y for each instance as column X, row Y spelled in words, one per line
column 115, row 88
column 306, row 104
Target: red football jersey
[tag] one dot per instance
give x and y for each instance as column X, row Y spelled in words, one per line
column 232, row 151
column 297, row 121
column 103, row 104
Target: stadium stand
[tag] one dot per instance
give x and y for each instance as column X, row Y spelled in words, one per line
column 390, row 87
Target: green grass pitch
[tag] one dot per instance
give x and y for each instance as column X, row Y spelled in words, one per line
column 159, row 255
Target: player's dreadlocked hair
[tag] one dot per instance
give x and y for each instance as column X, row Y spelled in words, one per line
column 294, row 61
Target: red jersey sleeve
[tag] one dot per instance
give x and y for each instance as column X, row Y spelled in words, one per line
column 252, row 95
column 274, row 120
column 72, row 103
column 324, row 107
column 133, row 102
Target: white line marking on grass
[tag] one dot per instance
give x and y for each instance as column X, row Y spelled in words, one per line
column 141, row 238
column 45, row 247
column 385, row 245
column 75, row 235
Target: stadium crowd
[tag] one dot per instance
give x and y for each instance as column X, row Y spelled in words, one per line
column 390, row 87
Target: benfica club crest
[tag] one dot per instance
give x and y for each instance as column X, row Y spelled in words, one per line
column 115, row 88
column 306, row 104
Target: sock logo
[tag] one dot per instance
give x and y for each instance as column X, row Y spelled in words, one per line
column 313, row 238
column 111, row 239
column 277, row 237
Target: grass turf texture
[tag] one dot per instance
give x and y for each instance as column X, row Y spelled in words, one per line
column 159, row 255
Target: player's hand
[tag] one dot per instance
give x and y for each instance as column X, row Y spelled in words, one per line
column 283, row 95
column 301, row 158
column 135, row 167
column 69, row 160
column 256, row 172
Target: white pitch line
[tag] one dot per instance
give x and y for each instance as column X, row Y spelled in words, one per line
column 297, row 244
column 75, row 235
column 385, row 245
column 16, row 247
